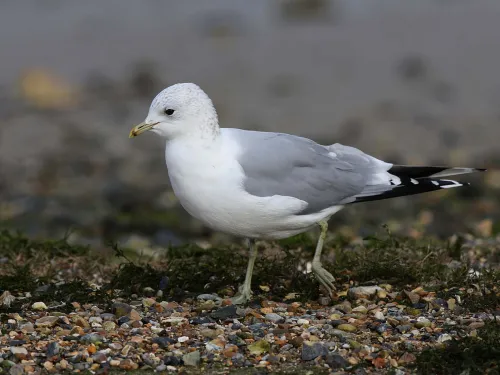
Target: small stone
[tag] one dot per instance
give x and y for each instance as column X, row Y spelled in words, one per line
column 27, row 328
column 16, row 370
column 79, row 321
column 207, row 305
column 209, row 297
column 134, row 315
column 336, row 361
column 476, row 325
column 115, row 346
column 224, row 312
column 91, row 338
column 259, row 347
column 354, row 344
column 108, row 316
column 363, row 292
column 347, row 327
column 452, row 304
column 344, row 307
column 275, row 318
column 422, row 322
column 412, row 297
column 49, row 366
column 19, row 352
column 413, row 312
column 215, row 345
column 407, row 358
column 403, row 328
column 381, row 328
column 183, row 339
column 163, row 341
column 381, row 294
column 52, row 349
column 127, row 364
column 302, row 322
column 209, row 333
column 161, row 368
column 360, row 309
column 297, row 341
column 192, row 359
column 312, row 350
column 114, row 363
column 47, row 321
column 444, row 337
column 324, row 301
column 126, row 349
column 99, row 358
column 39, row 306
column 379, row 315
column 109, row 326
column 120, row 309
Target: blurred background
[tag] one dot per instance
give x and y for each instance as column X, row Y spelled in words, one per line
column 413, row 82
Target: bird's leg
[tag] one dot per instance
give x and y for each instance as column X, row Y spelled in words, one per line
column 323, row 276
column 245, row 290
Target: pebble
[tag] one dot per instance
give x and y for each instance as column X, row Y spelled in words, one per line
column 422, row 322
column 347, row 327
column 363, row 292
column 259, row 347
column 192, row 359
column 360, row 309
column 46, row 321
column 224, row 312
column 336, row 361
column 312, row 350
column 109, row 326
column 303, row 322
column 19, row 352
column 52, row 349
column 275, row 318
column 209, row 297
column 379, row 315
column 39, row 306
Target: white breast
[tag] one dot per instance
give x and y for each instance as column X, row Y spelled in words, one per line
column 208, row 181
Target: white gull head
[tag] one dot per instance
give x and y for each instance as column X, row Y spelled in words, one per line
column 180, row 110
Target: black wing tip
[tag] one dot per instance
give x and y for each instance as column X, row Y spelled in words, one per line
column 480, row 169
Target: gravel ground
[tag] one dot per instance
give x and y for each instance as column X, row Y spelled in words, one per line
column 373, row 329
column 78, row 321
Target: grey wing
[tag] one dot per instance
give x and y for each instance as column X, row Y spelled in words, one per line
column 283, row 164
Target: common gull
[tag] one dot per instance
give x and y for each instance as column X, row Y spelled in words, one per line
column 264, row 185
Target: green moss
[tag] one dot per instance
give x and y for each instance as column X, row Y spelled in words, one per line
column 471, row 355
column 14, row 244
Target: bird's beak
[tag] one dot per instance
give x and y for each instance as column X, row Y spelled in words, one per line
column 141, row 128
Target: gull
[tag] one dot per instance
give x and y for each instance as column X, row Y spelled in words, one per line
column 265, row 185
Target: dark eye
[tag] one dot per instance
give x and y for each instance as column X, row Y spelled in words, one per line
column 169, row 112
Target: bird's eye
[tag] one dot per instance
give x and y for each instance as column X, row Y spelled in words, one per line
column 169, row 112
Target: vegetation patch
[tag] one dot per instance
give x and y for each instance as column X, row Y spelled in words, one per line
column 470, row 355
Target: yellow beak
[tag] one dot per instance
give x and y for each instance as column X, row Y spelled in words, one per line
column 141, row 128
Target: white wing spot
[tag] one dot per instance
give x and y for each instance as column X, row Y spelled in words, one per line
column 435, row 183
column 413, row 181
column 454, row 184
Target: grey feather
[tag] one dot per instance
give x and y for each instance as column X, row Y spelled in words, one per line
column 287, row 165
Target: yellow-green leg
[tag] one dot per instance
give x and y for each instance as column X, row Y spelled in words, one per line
column 323, row 276
column 245, row 290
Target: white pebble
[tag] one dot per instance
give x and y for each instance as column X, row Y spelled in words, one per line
column 39, row 306
column 302, row 322
column 183, row 339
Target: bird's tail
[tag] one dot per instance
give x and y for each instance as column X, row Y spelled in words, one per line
column 410, row 180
